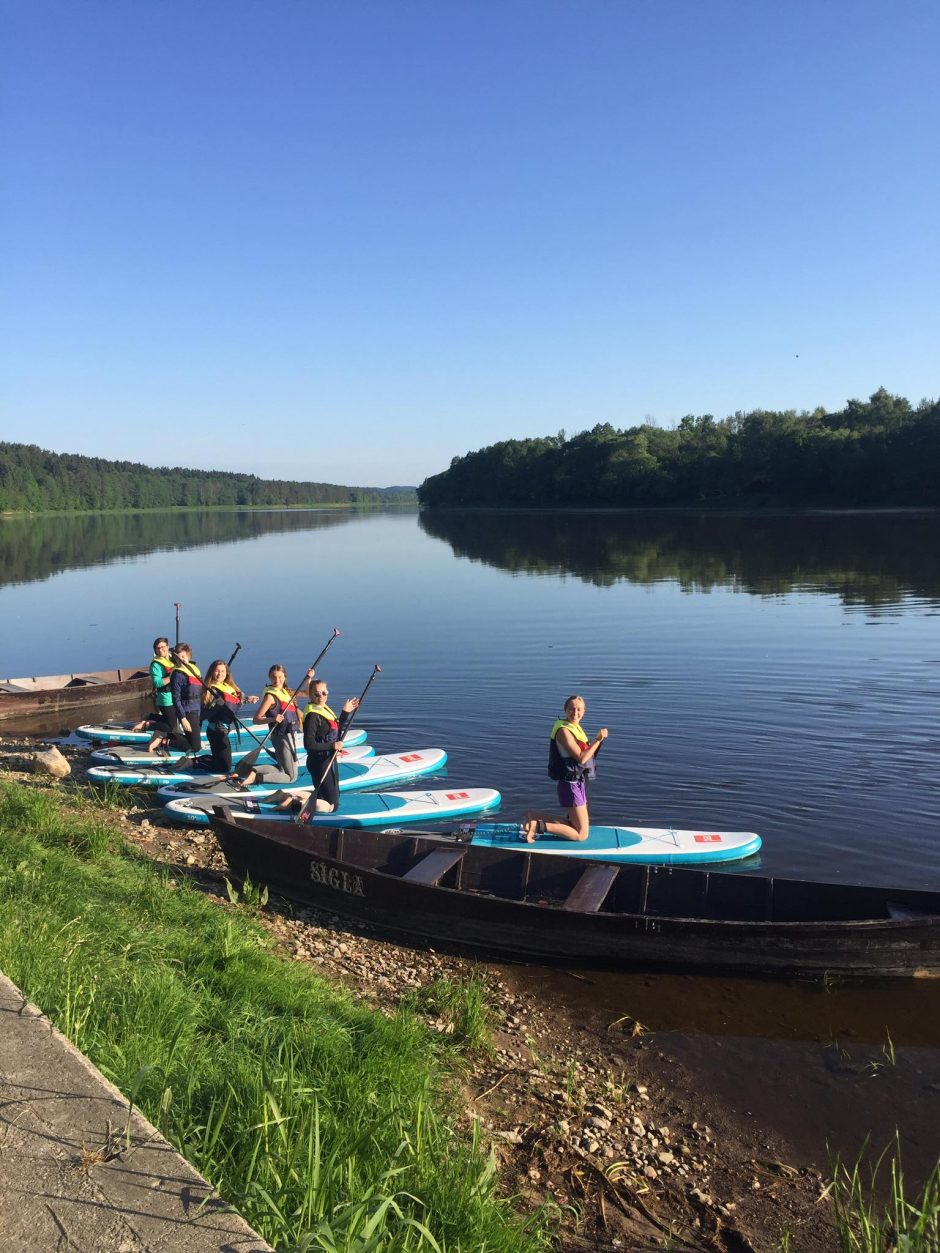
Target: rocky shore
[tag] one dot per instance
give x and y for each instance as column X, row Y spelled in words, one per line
column 625, row 1145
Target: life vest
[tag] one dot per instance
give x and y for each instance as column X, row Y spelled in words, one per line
column 231, row 695
column 324, row 712
column 562, row 768
column 168, row 668
column 192, row 672
column 285, row 706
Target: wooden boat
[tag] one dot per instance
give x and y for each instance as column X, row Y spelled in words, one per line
column 550, row 909
column 70, row 691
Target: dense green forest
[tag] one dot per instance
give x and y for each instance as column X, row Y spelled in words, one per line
column 883, row 451
column 34, row 480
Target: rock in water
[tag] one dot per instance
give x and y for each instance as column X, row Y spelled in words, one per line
column 52, row 762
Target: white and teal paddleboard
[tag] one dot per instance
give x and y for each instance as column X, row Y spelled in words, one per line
column 371, row 809
column 128, row 745
column 389, row 769
column 657, row 845
column 160, row 775
column 121, row 733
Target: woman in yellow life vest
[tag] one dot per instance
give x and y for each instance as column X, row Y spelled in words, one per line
column 221, row 700
column 161, row 667
column 570, row 763
column 323, row 740
column 281, row 713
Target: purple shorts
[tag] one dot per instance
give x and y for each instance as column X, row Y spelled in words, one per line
column 571, row 794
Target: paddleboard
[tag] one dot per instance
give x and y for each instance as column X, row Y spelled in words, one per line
column 134, row 755
column 656, row 845
column 155, row 775
column 121, row 733
column 370, row 809
column 390, row 768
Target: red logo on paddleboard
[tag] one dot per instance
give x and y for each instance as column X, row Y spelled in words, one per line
column 708, row 839
column 411, row 757
column 458, row 796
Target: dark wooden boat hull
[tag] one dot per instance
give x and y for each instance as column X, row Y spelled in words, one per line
column 20, row 697
column 554, row 910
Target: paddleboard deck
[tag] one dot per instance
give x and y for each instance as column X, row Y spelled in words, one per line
column 655, row 845
column 390, row 768
column 372, row 809
column 121, row 733
column 182, row 772
column 131, row 755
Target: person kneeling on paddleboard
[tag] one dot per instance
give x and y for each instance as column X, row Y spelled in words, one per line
column 323, row 740
column 570, row 763
column 221, row 701
column 186, row 691
column 161, row 668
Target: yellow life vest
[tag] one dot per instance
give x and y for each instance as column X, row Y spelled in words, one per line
column 228, row 690
column 323, row 710
column 282, row 696
column 575, row 728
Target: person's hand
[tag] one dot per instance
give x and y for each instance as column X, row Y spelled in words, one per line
column 279, row 718
column 351, row 704
column 184, row 723
column 310, row 673
column 601, row 735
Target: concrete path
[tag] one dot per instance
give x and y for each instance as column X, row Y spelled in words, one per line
column 80, row 1173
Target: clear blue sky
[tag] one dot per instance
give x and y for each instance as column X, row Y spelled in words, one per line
column 348, row 240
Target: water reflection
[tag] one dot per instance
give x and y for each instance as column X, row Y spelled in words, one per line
column 868, row 559
column 35, row 548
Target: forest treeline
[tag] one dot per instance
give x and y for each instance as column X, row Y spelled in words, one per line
column 34, row 480
column 875, row 452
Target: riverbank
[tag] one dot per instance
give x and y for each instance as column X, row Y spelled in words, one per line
column 621, row 1138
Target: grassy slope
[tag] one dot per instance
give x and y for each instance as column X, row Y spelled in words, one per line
column 312, row 1115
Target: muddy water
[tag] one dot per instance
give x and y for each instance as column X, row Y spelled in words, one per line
column 824, row 1067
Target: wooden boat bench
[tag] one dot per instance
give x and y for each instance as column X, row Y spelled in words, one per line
column 432, row 868
column 590, row 892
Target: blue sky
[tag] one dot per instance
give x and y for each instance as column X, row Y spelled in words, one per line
column 350, row 240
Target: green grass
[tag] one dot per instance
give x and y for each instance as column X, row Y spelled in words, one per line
column 866, row 1222
column 326, row 1124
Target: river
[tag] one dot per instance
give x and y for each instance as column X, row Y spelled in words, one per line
column 777, row 673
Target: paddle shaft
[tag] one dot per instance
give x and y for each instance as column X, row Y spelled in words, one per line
column 293, row 696
column 178, row 605
column 310, row 804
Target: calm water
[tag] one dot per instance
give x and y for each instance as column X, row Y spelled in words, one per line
column 777, row 673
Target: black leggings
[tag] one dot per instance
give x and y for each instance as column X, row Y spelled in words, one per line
column 328, row 790
column 190, row 741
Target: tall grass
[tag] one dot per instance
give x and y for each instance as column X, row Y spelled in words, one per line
column 324, row 1123
column 865, row 1224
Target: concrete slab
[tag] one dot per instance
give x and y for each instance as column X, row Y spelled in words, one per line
column 79, row 1171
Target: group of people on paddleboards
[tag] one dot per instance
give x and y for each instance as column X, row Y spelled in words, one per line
column 186, row 700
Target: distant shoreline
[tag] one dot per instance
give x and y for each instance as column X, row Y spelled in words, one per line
column 124, row 511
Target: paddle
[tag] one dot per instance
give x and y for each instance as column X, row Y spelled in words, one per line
column 178, row 605
column 249, row 760
column 309, row 805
